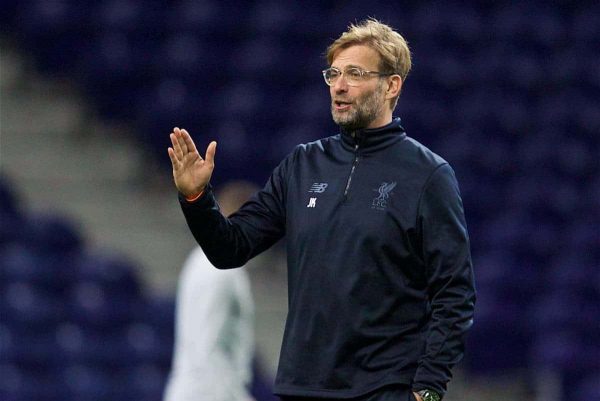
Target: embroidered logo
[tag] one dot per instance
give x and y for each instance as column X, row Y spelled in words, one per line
column 380, row 202
column 318, row 187
column 312, row 202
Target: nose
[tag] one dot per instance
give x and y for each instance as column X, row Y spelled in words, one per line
column 340, row 85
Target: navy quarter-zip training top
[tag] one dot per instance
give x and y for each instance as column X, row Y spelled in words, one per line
column 380, row 279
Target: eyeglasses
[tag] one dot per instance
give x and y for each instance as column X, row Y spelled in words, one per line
column 354, row 76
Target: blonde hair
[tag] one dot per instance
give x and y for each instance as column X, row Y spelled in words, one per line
column 392, row 47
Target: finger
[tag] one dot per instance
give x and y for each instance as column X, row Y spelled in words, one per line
column 173, row 158
column 210, row 153
column 176, row 146
column 182, row 143
column 189, row 141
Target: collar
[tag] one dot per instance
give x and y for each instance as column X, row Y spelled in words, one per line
column 369, row 140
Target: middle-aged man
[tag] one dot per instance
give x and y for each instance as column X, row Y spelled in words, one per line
column 381, row 288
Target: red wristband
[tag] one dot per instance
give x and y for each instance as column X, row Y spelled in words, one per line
column 194, row 198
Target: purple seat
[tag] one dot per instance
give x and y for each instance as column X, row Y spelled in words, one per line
column 8, row 15
column 240, row 99
column 465, row 25
column 114, row 273
column 588, row 388
column 194, row 17
column 84, row 382
column 142, row 382
column 557, row 350
column 588, row 117
column 93, row 306
column 209, row 19
column 511, row 21
column 130, row 17
column 272, row 17
column 19, row 264
column 152, row 330
column 114, row 70
column 524, row 72
column 82, row 344
column 171, row 102
column 146, row 343
column 450, row 71
column 18, row 384
column 54, row 235
column 575, row 158
column 552, row 113
column 187, row 57
column 30, row 349
column 12, row 228
column 259, row 58
column 585, row 25
column 8, row 197
column 583, row 234
column 289, row 137
column 25, row 305
column 311, row 104
column 501, row 320
column 547, row 28
column 12, row 379
column 571, row 271
column 55, row 32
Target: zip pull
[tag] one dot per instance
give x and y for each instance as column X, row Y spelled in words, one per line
column 354, row 164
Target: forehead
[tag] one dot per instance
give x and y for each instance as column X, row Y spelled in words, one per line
column 356, row 56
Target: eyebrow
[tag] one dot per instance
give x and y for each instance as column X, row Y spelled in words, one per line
column 350, row 66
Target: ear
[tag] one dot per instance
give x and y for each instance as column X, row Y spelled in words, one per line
column 394, row 86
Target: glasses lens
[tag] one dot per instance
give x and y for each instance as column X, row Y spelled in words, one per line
column 353, row 76
column 331, row 75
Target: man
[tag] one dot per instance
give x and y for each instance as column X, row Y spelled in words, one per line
column 381, row 286
column 214, row 343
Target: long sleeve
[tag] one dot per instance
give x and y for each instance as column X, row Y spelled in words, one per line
column 451, row 289
column 231, row 242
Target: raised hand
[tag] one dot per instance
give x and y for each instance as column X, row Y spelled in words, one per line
column 190, row 171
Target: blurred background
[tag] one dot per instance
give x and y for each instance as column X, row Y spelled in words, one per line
column 92, row 239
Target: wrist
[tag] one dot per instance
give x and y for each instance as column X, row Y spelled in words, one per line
column 194, row 196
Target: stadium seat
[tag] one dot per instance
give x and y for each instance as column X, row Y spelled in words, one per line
column 54, row 235
column 588, row 388
column 113, row 272
column 25, row 305
column 55, row 32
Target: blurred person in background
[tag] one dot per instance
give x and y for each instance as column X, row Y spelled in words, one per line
column 381, row 288
column 214, row 343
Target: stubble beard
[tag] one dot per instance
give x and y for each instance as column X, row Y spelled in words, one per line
column 364, row 111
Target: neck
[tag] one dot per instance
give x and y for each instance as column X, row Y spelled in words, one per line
column 380, row 122
column 382, row 119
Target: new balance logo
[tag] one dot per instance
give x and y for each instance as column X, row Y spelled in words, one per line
column 318, row 187
column 312, row 202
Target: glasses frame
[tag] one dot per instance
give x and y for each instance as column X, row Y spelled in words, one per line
column 363, row 73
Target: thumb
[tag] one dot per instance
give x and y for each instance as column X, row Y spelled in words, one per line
column 210, row 153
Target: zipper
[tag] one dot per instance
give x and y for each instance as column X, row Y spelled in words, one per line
column 354, row 164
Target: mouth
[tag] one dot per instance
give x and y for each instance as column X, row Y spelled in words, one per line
column 341, row 105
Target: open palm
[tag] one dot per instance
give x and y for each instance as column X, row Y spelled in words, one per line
column 190, row 171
